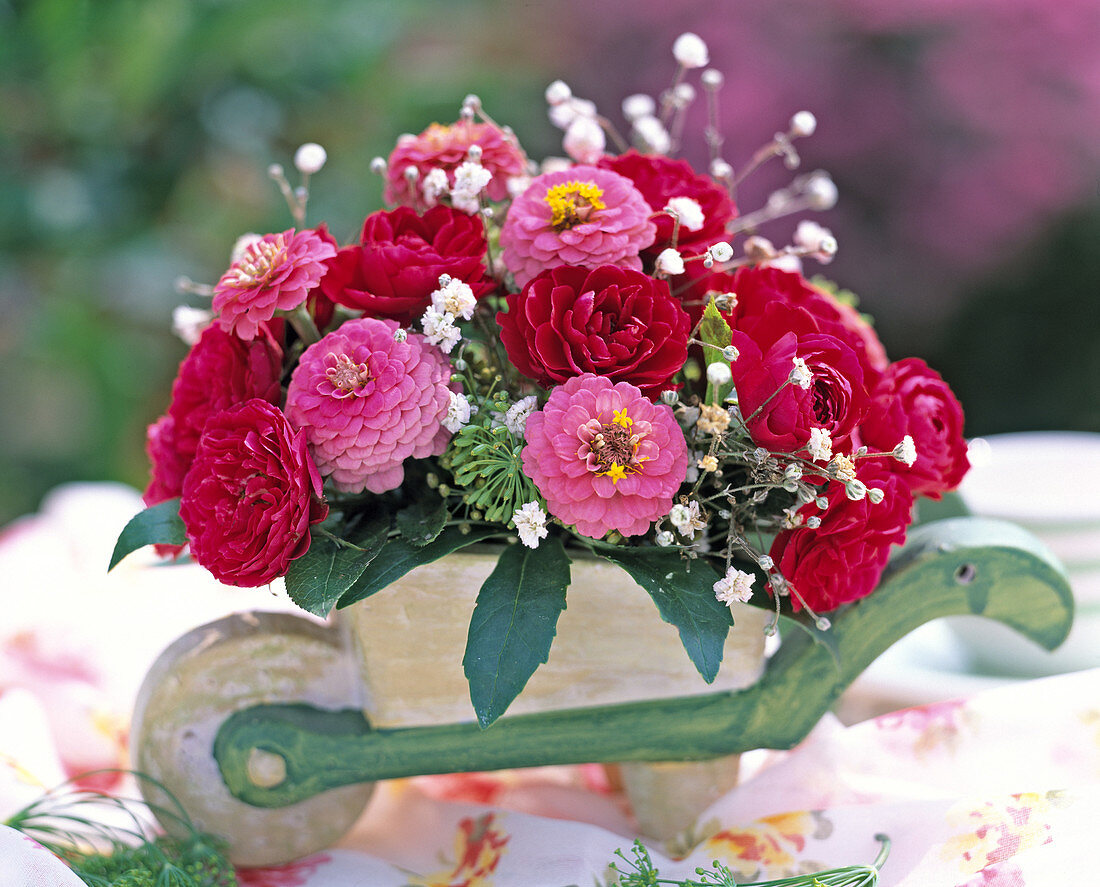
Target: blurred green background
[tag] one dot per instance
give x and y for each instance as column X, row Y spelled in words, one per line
column 134, row 140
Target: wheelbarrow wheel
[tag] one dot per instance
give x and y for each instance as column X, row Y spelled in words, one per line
column 206, row 675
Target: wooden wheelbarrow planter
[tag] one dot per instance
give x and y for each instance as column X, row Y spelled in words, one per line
column 271, row 733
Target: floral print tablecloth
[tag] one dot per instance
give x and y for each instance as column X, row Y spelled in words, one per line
column 999, row 789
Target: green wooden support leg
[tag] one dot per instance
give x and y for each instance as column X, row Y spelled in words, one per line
column 953, row 567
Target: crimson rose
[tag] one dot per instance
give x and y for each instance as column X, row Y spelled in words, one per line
column 913, row 399
column 251, row 495
column 842, row 560
column 221, row 370
column 659, row 179
column 759, row 285
column 836, row 399
column 393, row 270
column 610, row 321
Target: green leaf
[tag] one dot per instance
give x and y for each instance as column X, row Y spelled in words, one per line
column 714, row 330
column 398, row 557
column 420, row 523
column 158, row 525
column 684, row 598
column 317, row 579
column 514, row 623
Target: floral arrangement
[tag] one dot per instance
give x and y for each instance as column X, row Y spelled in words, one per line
column 596, row 353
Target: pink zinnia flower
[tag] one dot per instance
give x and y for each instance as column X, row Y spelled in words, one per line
column 580, row 216
column 368, row 402
column 446, row 147
column 605, row 457
column 276, row 273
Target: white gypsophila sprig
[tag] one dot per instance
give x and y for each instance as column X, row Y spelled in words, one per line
column 310, row 158
column 530, row 521
column 734, row 587
column 458, row 413
column 687, row 518
column 688, row 211
column 669, row 263
column 433, row 186
column 691, row 51
column 906, row 451
column 800, row 374
column 584, row 140
column 515, row 419
column 820, row 445
column 440, row 330
column 471, row 178
column 454, row 297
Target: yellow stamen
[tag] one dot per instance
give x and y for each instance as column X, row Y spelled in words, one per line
column 573, row 202
column 616, row 472
column 622, row 419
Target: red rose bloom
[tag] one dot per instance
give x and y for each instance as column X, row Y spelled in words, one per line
column 759, row 286
column 220, row 371
column 446, row 147
column 659, row 179
column 393, row 270
column 913, row 399
column 251, row 495
column 610, row 321
column 842, row 560
column 836, row 399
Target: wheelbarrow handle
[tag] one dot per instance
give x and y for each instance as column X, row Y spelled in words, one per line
column 951, row 567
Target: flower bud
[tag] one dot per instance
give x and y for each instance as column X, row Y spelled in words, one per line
column 638, row 105
column 803, row 124
column 558, row 92
column 730, row 353
column 712, row 79
column 690, row 51
column 584, row 140
column 721, row 251
column 310, row 158
column 719, row 373
column 821, row 191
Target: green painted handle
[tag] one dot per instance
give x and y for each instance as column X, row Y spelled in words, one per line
column 951, row 567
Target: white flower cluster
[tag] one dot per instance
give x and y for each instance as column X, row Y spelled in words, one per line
column 453, row 300
column 470, row 179
column 530, row 521
column 584, row 138
column 734, row 587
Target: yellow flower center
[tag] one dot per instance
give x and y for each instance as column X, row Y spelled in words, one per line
column 616, row 449
column 572, row 203
column 257, row 263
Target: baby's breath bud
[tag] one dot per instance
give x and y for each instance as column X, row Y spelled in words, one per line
column 821, row 191
column 793, row 471
column 669, row 263
column 760, row 454
column 460, row 365
column 719, row 373
column 766, row 563
column 720, row 169
column 759, row 249
column 803, row 124
column 813, row 522
column 584, row 140
column 378, row 166
column 712, row 78
column 474, row 153
column 708, row 463
column 411, row 174
column 668, row 397
column 690, row 51
column 400, row 335
column 855, row 489
column 800, row 374
column 472, row 101
column 721, row 251
column 275, row 171
column 876, row 495
column 638, row 105
column 730, row 353
column 821, row 502
column 665, row 538
column 558, row 92
column 653, row 133
column 906, row 451
column 683, row 94
column 310, row 158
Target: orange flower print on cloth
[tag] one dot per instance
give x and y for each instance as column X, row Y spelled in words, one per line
column 991, row 834
column 771, row 846
column 479, row 845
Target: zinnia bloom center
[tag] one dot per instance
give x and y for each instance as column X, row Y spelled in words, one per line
column 573, row 203
column 259, row 260
column 613, row 448
column 347, row 377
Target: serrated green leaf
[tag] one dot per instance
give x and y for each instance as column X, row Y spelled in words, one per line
column 158, row 525
column 714, row 330
column 421, row 522
column 684, row 598
column 317, row 579
column 398, row 557
column 514, row 623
